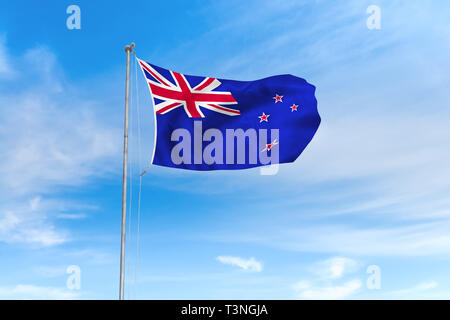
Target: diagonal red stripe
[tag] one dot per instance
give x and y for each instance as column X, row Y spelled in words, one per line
column 170, row 106
column 225, row 109
column 205, row 84
column 154, row 74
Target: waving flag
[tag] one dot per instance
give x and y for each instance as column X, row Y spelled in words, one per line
column 204, row 123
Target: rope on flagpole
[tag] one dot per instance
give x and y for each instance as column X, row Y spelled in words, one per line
column 146, row 170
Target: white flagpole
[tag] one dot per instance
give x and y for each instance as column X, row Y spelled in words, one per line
column 128, row 50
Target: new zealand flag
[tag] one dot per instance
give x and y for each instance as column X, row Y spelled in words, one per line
column 205, row 123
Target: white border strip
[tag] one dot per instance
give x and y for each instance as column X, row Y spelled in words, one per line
column 154, row 111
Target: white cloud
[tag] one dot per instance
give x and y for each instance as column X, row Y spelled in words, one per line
column 92, row 256
column 326, row 272
column 51, row 271
column 23, row 291
column 246, row 264
column 34, row 203
column 27, row 227
column 410, row 293
column 411, row 240
column 71, row 216
column 335, row 268
column 305, row 290
column 426, row 285
column 8, row 221
column 50, row 146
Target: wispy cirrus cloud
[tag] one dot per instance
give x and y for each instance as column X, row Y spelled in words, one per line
column 251, row 264
column 414, row 239
column 27, row 224
column 51, row 139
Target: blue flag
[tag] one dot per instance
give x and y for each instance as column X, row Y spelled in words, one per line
column 205, row 123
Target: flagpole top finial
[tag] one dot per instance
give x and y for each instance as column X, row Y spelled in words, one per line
column 129, row 48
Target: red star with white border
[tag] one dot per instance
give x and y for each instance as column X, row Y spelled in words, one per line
column 278, row 98
column 270, row 145
column 294, row 107
column 264, row 117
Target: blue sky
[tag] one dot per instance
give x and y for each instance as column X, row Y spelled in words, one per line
column 371, row 188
